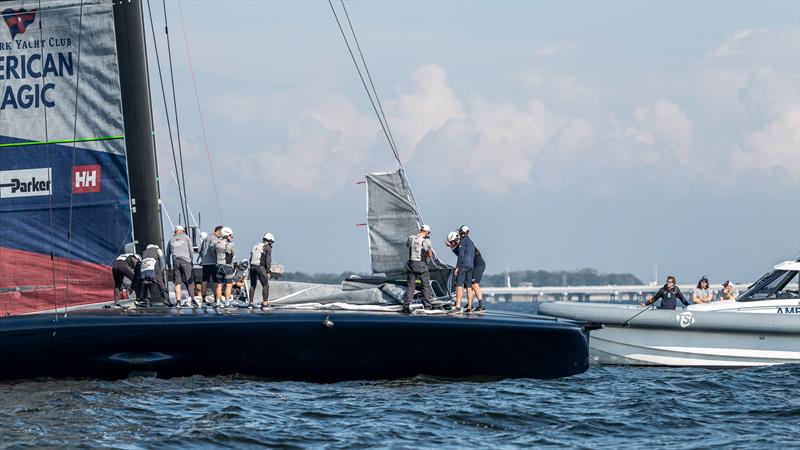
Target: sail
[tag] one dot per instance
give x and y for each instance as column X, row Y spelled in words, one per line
column 391, row 219
column 64, row 199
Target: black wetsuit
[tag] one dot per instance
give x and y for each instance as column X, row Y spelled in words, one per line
column 668, row 297
column 260, row 272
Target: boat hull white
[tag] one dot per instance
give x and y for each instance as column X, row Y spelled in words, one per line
column 649, row 347
column 685, row 338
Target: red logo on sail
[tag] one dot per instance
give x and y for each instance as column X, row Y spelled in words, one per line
column 18, row 21
column 85, row 179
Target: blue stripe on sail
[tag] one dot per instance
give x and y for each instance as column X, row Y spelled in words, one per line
column 35, row 215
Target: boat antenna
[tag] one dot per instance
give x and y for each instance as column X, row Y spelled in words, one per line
column 374, row 99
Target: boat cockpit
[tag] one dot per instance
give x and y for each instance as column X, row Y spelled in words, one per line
column 780, row 284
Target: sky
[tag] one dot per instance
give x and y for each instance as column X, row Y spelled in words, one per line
column 652, row 138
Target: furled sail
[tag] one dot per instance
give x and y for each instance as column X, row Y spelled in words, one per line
column 64, row 198
column 391, row 218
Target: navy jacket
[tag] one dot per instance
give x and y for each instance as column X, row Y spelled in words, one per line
column 668, row 297
column 466, row 253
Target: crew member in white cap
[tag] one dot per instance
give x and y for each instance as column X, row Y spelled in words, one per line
column 225, row 252
column 179, row 258
column 419, row 251
column 260, row 265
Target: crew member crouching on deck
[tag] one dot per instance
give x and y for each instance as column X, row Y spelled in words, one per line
column 260, row 266
column 151, row 276
column 125, row 266
column 419, row 251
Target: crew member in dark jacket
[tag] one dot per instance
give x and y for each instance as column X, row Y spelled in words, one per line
column 125, row 266
column 668, row 295
column 465, row 265
column 260, row 267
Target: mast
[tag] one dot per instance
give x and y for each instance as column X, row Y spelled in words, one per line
column 138, row 119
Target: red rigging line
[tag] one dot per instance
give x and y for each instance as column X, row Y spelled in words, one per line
column 200, row 111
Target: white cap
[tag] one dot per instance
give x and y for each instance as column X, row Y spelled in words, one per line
column 226, row 231
column 464, row 229
column 425, row 228
column 269, row 237
column 179, row 228
column 203, row 235
column 452, row 236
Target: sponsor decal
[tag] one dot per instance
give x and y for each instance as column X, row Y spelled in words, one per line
column 25, row 182
column 86, row 179
column 685, row 319
column 789, row 310
column 18, row 21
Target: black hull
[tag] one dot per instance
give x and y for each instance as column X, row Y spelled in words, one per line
column 287, row 345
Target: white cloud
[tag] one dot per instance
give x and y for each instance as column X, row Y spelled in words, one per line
column 731, row 44
column 429, row 105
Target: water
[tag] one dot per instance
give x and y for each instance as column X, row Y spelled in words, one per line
column 605, row 407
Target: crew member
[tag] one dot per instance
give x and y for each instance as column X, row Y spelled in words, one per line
column 728, row 291
column 668, row 295
column 151, row 275
column 419, row 251
column 125, row 266
column 224, row 252
column 208, row 258
column 465, row 264
column 477, row 271
column 179, row 258
column 260, row 268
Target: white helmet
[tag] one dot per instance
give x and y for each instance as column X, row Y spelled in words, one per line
column 269, row 237
column 464, row 229
column 226, row 231
column 425, row 228
column 452, row 236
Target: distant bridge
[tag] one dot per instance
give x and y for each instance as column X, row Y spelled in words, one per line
column 629, row 293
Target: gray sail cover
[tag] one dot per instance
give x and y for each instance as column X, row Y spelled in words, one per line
column 391, row 219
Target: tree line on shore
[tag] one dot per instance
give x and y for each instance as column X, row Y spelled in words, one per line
column 580, row 277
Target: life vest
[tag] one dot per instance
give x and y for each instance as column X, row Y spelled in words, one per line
column 255, row 254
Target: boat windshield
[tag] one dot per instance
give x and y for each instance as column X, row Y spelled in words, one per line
column 779, row 284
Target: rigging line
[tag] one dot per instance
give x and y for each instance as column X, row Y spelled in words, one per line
column 200, row 111
column 74, row 152
column 175, row 110
column 360, row 75
column 187, row 203
column 369, row 77
column 403, row 176
column 50, row 197
column 383, row 115
column 164, row 97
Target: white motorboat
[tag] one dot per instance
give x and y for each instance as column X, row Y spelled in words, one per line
column 761, row 327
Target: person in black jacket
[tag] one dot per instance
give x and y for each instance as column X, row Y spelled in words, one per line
column 125, row 266
column 260, row 266
column 668, row 294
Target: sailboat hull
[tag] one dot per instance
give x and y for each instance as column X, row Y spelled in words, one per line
column 288, row 345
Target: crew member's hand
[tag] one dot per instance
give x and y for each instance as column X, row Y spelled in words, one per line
column 455, row 272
